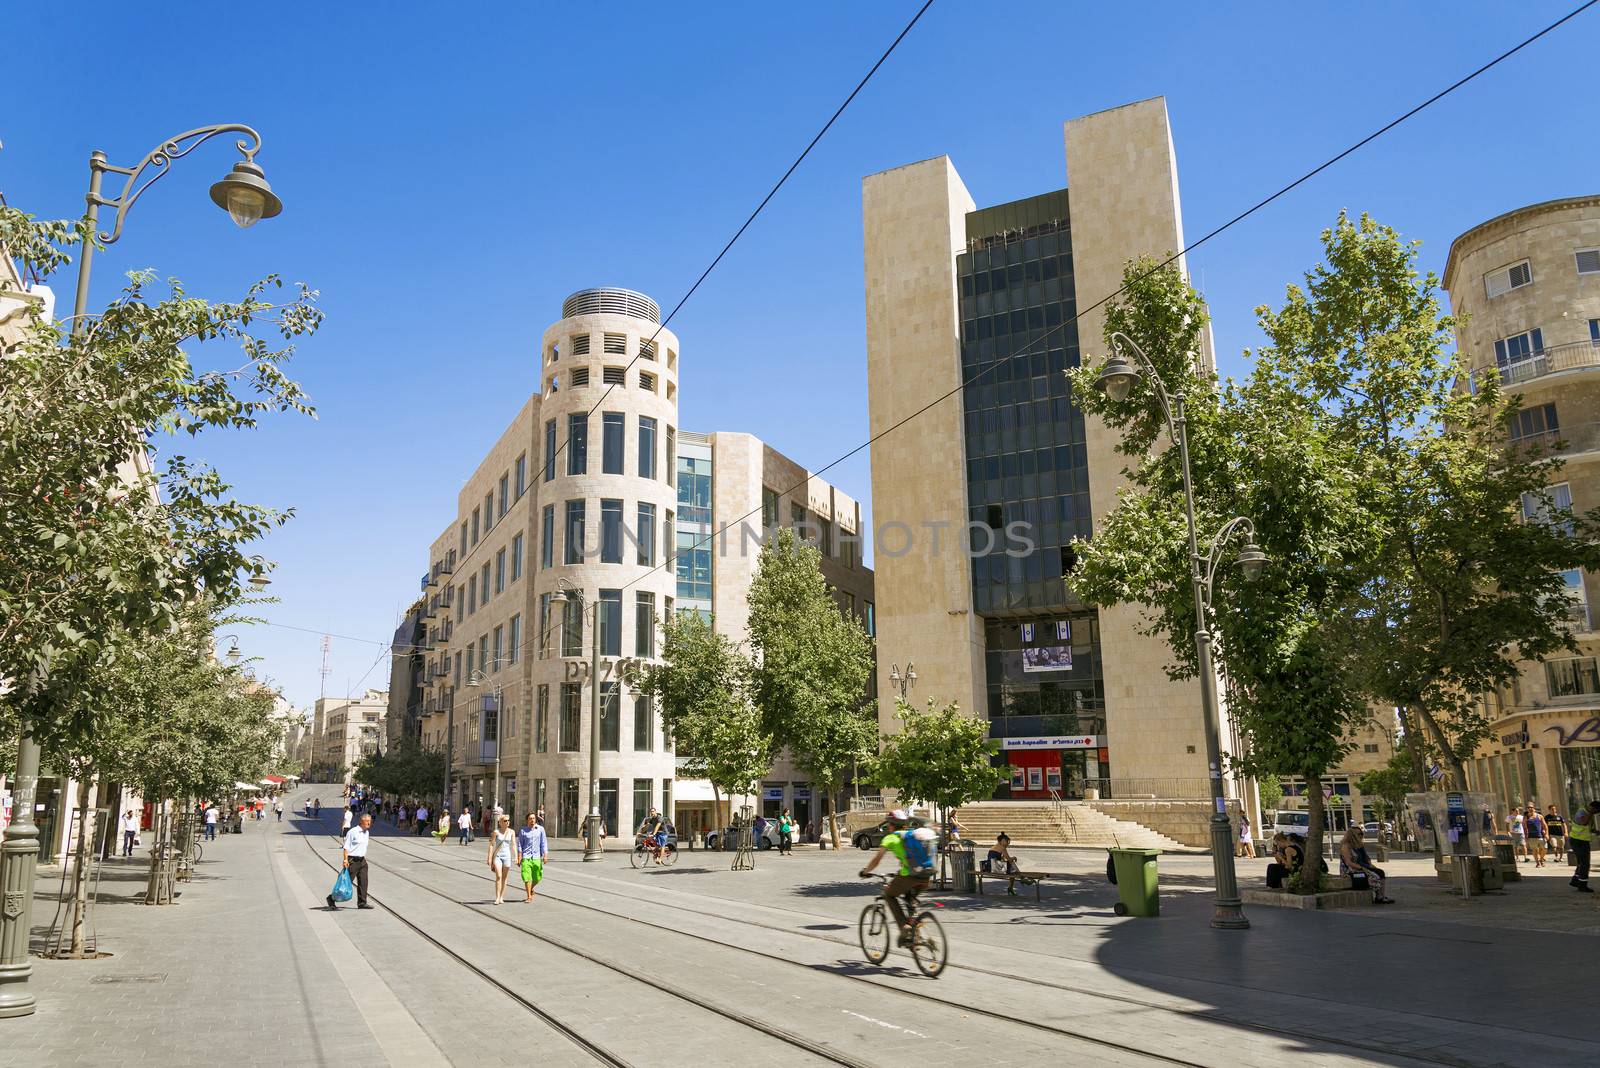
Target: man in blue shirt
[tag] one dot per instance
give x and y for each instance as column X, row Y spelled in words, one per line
column 355, row 858
column 532, row 851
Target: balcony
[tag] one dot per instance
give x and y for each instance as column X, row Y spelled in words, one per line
column 441, row 632
column 1563, row 441
column 1550, row 360
column 432, row 611
column 426, row 579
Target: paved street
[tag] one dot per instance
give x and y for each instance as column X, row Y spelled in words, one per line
column 699, row 964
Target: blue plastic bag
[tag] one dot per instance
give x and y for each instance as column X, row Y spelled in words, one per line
column 343, row 888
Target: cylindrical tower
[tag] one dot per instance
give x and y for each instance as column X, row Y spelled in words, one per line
column 609, row 417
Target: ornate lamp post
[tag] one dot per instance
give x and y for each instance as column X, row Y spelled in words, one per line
column 1117, row 379
column 906, row 681
column 592, row 850
column 247, row 197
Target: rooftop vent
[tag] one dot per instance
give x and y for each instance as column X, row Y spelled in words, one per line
column 612, row 302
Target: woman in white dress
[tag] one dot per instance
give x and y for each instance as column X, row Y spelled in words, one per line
column 502, row 850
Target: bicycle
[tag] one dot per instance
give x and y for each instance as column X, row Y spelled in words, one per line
column 644, row 850
column 929, row 947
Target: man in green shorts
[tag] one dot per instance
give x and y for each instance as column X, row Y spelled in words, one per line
column 532, row 851
column 909, row 881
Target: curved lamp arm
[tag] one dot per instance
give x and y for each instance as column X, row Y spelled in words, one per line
column 1214, row 554
column 1171, row 407
column 159, row 161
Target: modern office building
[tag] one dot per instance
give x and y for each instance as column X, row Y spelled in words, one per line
column 1008, row 467
column 1525, row 288
column 593, row 488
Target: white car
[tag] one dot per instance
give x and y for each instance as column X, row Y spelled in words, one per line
column 764, row 835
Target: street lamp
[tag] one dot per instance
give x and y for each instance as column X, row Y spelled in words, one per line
column 1117, row 378
column 247, row 197
column 906, row 681
column 592, row 849
column 477, row 679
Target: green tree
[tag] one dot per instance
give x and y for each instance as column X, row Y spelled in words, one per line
column 940, row 756
column 99, row 547
column 1271, row 790
column 812, row 663
column 408, row 769
column 702, row 687
column 1259, row 449
column 1389, row 784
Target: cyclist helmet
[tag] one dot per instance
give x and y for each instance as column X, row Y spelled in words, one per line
column 898, row 817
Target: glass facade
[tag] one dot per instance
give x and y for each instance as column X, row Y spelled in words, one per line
column 692, row 527
column 1028, row 480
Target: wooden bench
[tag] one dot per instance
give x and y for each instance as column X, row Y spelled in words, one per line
column 1036, row 877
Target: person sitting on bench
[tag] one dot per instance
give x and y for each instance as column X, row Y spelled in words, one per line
column 1287, row 856
column 1354, row 862
column 1001, row 862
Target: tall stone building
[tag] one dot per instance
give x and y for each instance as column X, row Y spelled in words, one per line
column 1525, row 288
column 345, row 730
column 593, row 488
column 1008, row 467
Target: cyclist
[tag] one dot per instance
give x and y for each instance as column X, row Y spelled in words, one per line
column 914, row 872
column 653, row 833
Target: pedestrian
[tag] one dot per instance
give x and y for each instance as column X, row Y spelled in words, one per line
column 1555, row 828
column 464, row 827
column 421, row 820
column 130, row 830
column 1534, row 824
column 1246, row 847
column 1354, row 862
column 277, row 808
column 532, row 852
column 785, row 834
column 502, row 852
column 316, row 806
column 1580, row 833
column 1519, row 834
column 346, row 820
column 355, row 859
column 540, row 816
column 211, row 822
column 444, row 826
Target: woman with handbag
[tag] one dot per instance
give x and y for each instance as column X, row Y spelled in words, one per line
column 785, row 833
column 1354, row 862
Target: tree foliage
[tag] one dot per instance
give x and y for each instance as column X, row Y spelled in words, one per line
column 408, row 769
column 938, row 755
column 103, row 549
column 811, row 667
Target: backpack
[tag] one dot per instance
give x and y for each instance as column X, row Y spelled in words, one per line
column 920, row 846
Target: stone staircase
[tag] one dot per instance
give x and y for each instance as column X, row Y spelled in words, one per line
column 1072, row 823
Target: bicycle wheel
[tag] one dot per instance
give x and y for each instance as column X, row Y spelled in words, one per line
column 638, row 856
column 928, row 945
column 669, row 855
column 197, row 854
column 875, row 933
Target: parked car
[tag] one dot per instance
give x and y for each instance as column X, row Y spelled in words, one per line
column 1288, row 821
column 672, row 835
column 871, row 837
column 764, row 832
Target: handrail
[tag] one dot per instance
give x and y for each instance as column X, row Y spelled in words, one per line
column 1550, row 359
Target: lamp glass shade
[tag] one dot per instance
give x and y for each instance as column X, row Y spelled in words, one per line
column 1251, row 561
column 1117, row 378
column 245, row 206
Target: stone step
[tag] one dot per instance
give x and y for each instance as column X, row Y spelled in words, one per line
column 1072, row 823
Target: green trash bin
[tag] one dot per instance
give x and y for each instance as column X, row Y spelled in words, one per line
column 1137, row 885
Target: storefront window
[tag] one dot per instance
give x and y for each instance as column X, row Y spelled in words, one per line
column 1580, row 777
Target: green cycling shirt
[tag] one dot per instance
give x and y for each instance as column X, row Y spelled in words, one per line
column 893, row 844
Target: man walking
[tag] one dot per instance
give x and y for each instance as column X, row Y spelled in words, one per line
column 277, row 806
column 348, row 819
column 211, row 821
column 1579, row 837
column 355, row 859
column 130, row 831
column 464, row 827
column 532, row 852
column 422, row 819
column 1556, row 828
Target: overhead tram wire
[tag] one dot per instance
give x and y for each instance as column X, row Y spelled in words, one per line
column 1031, row 347
column 561, row 447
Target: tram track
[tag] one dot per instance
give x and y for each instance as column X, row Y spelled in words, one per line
column 1355, row 1047
column 605, row 1055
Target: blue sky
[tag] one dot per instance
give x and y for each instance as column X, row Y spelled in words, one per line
column 451, row 173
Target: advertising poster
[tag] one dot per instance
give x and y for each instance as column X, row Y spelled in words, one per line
column 1047, row 658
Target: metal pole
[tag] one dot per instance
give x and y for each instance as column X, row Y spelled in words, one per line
column 1229, row 910
column 19, row 855
column 591, row 841
column 499, row 731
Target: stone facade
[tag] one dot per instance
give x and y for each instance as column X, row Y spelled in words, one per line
column 1542, row 329
column 348, row 729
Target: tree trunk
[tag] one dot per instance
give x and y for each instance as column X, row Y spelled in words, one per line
column 1419, row 766
column 718, row 825
column 1309, row 880
column 833, row 816
column 80, row 866
column 155, row 888
column 1447, row 753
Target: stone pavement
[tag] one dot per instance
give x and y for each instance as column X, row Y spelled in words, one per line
column 249, row 969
